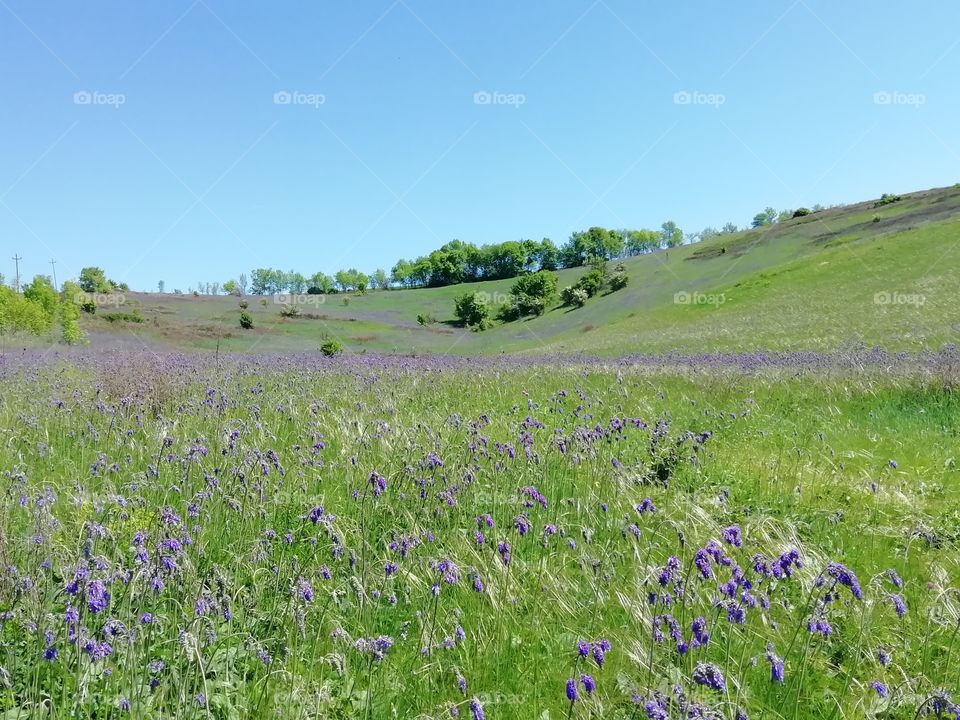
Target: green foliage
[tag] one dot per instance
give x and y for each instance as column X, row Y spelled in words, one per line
column 244, row 304
column 573, row 296
column 801, row 212
column 42, row 292
column 618, row 282
column 19, row 314
column 767, row 217
column 472, row 310
column 592, row 283
column 670, row 235
column 94, row 280
column 71, row 333
column 887, row 199
column 246, row 320
column 331, row 347
column 530, row 295
column 288, row 310
column 426, row 319
column 132, row 316
column 230, row 287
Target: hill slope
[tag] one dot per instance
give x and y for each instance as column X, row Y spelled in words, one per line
column 885, row 275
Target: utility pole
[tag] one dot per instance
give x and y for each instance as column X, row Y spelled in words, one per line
column 16, row 282
column 53, row 264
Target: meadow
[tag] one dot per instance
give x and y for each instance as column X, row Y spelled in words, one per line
column 231, row 536
column 858, row 273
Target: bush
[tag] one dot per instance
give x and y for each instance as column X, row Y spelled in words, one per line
column 244, row 304
column 592, row 282
column 618, row 281
column 472, row 311
column 246, row 321
column 573, row 296
column 530, row 295
column 331, row 347
column 88, row 306
column 801, row 212
column 289, row 311
column 887, row 199
column 427, row 319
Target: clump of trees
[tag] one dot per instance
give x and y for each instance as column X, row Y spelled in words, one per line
column 592, row 283
column 39, row 307
column 472, row 311
column 530, row 295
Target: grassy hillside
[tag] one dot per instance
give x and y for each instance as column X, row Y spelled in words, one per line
column 886, row 275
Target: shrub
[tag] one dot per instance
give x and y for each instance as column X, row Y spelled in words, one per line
column 573, row 296
column 427, row 319
column 592, row 282
column 801, row 212
column 263, row 302
column 134, row 317
column 244, row 304
column 331, row 347
column 246, row 321
column 472, row 311
column 530, row 295
column 289, row 311
column 618, row 281
column 887, row 199
column 88, row 306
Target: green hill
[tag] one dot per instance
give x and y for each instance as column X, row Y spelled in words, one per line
column 879, row 274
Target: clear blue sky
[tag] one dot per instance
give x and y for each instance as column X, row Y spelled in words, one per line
column 199, row 174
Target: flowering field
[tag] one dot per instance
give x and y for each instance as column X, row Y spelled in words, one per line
column 377, row 538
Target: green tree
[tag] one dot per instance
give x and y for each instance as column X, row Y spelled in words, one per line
column 70, row 329
column 670, row 235
column 320, row 284
column 378, row 279
column 762, row 219
column 471, row 310
column 642, row 241
column 41, row 291
column 94, row 280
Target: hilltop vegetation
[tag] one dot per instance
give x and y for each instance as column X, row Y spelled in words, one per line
column 881, row 272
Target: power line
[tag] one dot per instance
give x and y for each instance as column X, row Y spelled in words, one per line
column 53, row 264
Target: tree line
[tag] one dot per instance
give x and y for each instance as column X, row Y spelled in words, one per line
column 459, row 262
